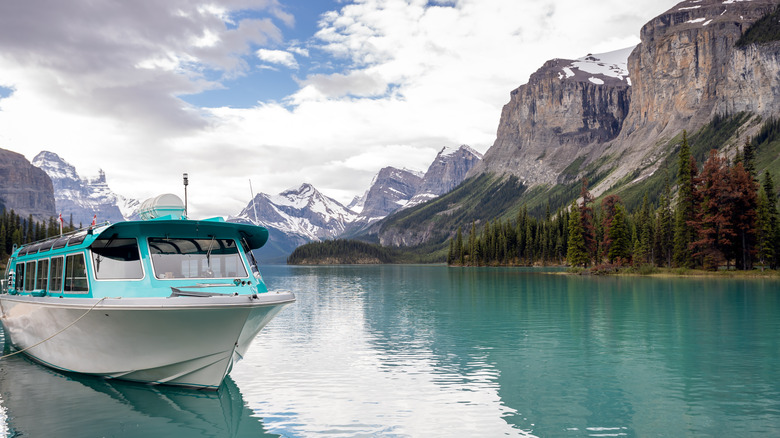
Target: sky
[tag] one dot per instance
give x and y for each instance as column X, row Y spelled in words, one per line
column 277, row 92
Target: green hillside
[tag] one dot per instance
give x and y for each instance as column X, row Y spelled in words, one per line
column 491, row 198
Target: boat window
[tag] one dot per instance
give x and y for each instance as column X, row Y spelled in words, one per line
column 20, row 276
column 76, row 239
column 23, row 251
column 60, row 242
column 75, row 273
column 196, row 258
column 45, row 246
column 29, row 279
column 55, row 275
column 115, row 258
column 42, row 274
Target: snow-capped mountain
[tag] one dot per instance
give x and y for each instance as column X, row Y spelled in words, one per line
column 294, row 217
column 302, row 211
column 390, row 190
column 83, row 198
column 303, row 214
column 448, row 169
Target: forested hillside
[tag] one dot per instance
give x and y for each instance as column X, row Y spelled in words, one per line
column 725, row 215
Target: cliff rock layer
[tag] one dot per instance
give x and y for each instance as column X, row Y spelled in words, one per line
column 566, row 108
column 24, row 188
column 686, row 70
column 687, row 67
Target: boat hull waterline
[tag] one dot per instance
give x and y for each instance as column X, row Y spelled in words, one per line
column 185, row 341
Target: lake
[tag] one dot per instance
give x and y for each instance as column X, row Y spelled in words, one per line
column 432, row 351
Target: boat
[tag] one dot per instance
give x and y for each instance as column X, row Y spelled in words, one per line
column 161, row 300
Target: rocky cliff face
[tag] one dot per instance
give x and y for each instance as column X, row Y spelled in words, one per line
column 24, row 188
column 83, row 198
column 448, row 169
column 686, row 70
column 687, row 67
column 566, row 108
column 390, row 190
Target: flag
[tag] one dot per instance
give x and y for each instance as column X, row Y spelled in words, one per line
column 62, row 222
column 94, row 220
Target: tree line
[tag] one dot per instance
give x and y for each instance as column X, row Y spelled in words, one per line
column 17, row 230
column 340, row 251
column 722, row 217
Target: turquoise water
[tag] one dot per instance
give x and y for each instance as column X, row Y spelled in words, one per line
column 434, row 351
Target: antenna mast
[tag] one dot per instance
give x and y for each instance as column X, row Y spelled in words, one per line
column 253, row 201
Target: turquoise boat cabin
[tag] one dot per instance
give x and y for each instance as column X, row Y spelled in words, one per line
column 165, row 255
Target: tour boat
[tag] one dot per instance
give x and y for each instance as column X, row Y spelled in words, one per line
column 163, row 300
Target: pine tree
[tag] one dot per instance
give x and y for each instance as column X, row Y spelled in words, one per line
column 459, row 248
column 577, row 254
column 765, row 250
column 473, row 245
column 643, row 250
column 619, row 249
column 768, row 187
column 684, row 234
column 608, row 208
column 745, row 203
column 713, row 219
column 664, row 230
column 586, row 217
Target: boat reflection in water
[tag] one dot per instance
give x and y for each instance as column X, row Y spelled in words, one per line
column 37, row 401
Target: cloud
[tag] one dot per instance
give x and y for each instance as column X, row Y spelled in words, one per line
column 280, row 57
column 127, row 58
column 382, row 82
column 358, row 83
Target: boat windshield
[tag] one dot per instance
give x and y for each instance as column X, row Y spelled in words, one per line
column 116, row 258
column 195, row 258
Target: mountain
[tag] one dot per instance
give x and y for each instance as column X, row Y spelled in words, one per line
column 390, row 190
column 83, row 198
column 448, row 169
column 25, row 189
column 301, row 215
column 616, row 118
column 565, row 110
column 294, row 217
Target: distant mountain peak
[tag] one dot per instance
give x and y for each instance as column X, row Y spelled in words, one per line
column 448, row 151
column 84, row 198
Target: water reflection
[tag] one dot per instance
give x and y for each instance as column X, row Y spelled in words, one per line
column 434, row 351
column 37, row 401
column 421, row 351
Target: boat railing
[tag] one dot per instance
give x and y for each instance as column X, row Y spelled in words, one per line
column 86, row 230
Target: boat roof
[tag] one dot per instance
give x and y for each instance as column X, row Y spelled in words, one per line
column 254, row 236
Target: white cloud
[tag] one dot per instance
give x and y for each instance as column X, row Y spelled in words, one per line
column 280, row 57
column 98, row 83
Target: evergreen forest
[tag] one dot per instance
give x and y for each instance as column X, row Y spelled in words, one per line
column 724, row 216
column 16, row 231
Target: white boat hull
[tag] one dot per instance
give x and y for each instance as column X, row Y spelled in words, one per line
column 186, row 341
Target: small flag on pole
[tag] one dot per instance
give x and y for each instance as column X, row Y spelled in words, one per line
column 62, row 222
column 94, row 220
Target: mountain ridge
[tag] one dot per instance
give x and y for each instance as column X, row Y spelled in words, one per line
column 559, row 128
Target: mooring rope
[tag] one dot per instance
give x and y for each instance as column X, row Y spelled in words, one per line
column 61, row 330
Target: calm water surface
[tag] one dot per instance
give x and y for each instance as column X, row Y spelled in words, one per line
column 434, row 351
